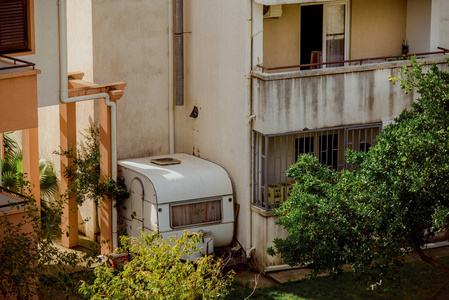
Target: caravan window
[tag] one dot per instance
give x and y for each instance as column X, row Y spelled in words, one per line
column 195, row 213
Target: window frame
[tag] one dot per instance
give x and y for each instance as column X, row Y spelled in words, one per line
column 347, row 4
column 196, row 201
column 30, row 32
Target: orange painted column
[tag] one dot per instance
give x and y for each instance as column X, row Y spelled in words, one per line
column 69, row 220
column 30, row 151
column 105, row 173
column 2, row 147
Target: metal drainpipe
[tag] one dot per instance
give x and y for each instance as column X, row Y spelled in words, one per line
column 171, row 122
column 249, row 246
column 179, row 52
column 63, row 97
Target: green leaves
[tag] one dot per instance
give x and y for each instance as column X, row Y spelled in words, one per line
column 157, row 272
column 84, row 172
column 394, row 201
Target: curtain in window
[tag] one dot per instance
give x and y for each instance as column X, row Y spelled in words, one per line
column 196, row 213
column 335, row 33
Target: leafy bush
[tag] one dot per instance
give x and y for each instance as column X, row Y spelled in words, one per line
column 32, row 265
column 84, row 172
column 157, row 272
column 391, row 204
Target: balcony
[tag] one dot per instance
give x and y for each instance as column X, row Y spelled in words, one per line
column 325, row 63
column 18, row 99
column 330, row 97
column 11, row 201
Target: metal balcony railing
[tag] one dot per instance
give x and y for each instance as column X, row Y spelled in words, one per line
column 274, row 154
column 14, row 204
column 356, row 61
column 15, row 63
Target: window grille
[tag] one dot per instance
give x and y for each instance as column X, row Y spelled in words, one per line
column 274, row 154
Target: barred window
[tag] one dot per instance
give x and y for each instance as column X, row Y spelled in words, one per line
column 274, row 154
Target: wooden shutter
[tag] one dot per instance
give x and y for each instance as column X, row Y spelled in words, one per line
column 13, row 26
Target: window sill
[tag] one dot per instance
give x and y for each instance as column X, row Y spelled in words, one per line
column 262, row 212
column 23, row 53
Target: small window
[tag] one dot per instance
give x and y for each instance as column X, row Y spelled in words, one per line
column 304, row 145
column 329, row 150
column 195, row 213
column 14, row 26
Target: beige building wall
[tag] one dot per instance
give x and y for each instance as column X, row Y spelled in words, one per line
column 216, row 55
column 79, row 40
column 80, row 58
column 444, row 24
column 418, row 25
column 377, row 28
column 281, row 38
column 130, row 44
column 46, row 51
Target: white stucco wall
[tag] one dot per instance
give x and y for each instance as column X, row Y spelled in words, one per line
column 130, row 44
column 80, row 58
column 216, row 57
column 79, row 39
column 46, row 55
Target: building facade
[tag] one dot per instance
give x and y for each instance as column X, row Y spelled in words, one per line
column 264, row 81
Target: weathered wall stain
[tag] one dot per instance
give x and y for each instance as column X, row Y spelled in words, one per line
column 294, row 101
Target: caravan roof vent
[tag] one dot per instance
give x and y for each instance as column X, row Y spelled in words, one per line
column 165, row 161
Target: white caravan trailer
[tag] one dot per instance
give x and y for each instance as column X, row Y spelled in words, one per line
column 178, row 192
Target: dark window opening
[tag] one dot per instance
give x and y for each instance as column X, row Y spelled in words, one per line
column 303, row 145
column 329, row 150
column 364, row 147
column 311, row 32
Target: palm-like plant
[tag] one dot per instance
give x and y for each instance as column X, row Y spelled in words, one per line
column 47, row 180
column 9, row 145
column 12, row 171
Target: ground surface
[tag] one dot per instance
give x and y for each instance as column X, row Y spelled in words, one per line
column 419, row 281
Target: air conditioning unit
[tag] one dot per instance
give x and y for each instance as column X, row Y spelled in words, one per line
column 272, row 11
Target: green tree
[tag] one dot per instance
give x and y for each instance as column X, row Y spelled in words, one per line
column 395, row 199
column 31, row 264
column 156, row 271
column 84, row 172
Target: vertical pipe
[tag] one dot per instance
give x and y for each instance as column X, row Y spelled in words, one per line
column 248, row 213
column 179, row 52
column 171, row 125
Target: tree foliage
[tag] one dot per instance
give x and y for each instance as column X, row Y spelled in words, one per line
column 156, row 271
column 84, row 172
column 395, row 199
column 31, row 264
